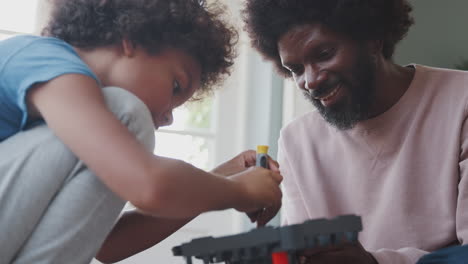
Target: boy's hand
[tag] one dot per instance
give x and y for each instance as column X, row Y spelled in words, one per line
column 260, row 188
column 262, row 217
column 241, row 162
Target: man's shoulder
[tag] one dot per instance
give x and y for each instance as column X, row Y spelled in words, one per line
column 441, row 73
column 444, row 82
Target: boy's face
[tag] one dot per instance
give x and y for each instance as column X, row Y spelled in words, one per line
column 163, row 81
column 336, row 73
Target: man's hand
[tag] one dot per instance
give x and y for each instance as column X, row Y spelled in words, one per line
column 343, row 254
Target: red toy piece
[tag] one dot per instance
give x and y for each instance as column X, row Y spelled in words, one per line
column 280, row 258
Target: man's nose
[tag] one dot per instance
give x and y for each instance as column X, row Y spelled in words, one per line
column 313, row 78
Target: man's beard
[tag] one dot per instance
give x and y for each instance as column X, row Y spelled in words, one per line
column 353, row 108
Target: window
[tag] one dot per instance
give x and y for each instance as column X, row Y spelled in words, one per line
column 192, row 135
column 18, row 17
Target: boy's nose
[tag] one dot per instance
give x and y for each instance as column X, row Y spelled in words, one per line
column 167, row 119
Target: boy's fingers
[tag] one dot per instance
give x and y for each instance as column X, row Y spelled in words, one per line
column 273, row 164
column 253, row 216
column 267, row 214
column 277, row 177
column 249, row 157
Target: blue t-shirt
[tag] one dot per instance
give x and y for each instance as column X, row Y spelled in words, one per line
column 25, row 61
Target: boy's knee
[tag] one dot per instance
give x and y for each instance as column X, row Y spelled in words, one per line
column 132, row 112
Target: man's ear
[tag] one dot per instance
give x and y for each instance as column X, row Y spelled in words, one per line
column 128, row 47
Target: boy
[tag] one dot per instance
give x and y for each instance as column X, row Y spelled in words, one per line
column 74, row 152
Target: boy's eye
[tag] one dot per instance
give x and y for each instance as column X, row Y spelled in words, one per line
column 176, row 87
column 295, row 69
column 325, row 54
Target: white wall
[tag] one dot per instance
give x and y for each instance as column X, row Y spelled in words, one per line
column 42, row 15
column 439, row 37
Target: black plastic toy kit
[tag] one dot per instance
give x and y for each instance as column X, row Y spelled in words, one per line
column 272, row 245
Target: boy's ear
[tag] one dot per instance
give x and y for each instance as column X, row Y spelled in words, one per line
column 128, row 47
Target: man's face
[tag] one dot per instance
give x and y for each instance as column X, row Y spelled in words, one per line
column 336, row 74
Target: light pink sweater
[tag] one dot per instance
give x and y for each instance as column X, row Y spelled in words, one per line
column 404, row 172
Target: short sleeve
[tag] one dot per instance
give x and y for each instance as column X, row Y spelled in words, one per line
column 33, row 60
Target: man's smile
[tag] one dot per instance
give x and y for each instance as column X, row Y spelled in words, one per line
column 332, row 96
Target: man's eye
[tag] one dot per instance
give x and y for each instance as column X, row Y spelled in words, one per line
column 176, row 87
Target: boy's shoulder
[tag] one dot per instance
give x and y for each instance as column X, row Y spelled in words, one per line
column 19, row 42
column 25, row 38
column 31, row 59
column 36, row 50
column 32, row 46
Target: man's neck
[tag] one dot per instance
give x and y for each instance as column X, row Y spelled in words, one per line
column 392, row 81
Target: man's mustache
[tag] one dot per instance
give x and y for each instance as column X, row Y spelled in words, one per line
column 325, row 87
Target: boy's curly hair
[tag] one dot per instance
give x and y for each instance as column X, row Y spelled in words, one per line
column 190, row 25
column 267, row 20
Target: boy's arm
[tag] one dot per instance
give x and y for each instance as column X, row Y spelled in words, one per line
column 135, row 232
column 73, row 107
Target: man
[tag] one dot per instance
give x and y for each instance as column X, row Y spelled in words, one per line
column 388, row 142
column 452, row 255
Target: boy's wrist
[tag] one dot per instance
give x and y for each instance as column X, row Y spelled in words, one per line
column 240, row 199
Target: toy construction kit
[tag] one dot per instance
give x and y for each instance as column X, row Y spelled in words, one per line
column 272, row 245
